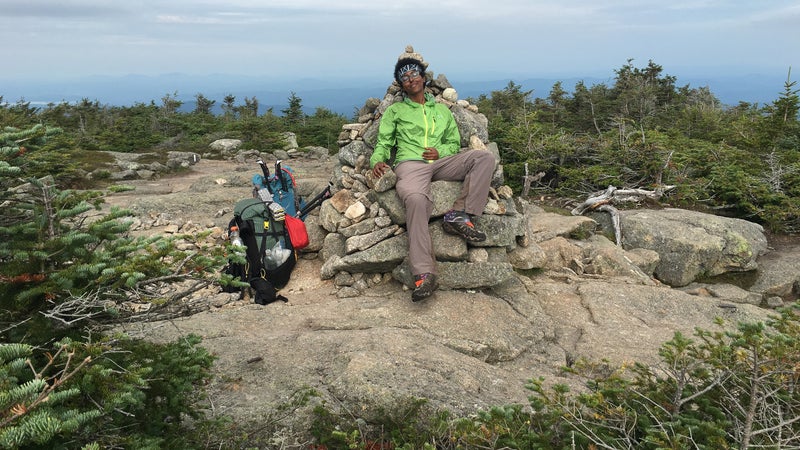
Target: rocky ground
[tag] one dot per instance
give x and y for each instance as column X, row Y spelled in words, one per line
column 461, row 349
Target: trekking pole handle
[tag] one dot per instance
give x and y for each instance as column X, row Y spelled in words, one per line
column 264, row 169
column 279, row 174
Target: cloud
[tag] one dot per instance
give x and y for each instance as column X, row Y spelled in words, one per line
column 223, row 18
column 65, row 10
column 354, row 36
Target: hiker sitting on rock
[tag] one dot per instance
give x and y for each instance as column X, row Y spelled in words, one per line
column 428, row 143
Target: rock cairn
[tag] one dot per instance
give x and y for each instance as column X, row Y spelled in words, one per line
column 363, row 239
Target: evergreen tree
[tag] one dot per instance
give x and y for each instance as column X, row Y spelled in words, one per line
column 170, row 125
column 642, row 93
column 553, row 109
column 250, row 107
column 36, row 404
column 322, row 129
column 61, row 272
column 229, row 108
column 293, row 116
column 203, row 105
column 506, row 110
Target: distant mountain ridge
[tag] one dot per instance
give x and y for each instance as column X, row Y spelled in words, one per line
column 336, row 95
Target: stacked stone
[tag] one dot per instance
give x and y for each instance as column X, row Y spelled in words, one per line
column 366, row 242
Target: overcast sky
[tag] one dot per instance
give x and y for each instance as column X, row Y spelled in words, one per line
column 466, row 39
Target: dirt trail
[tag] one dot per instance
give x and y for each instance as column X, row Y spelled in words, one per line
column 175, row 183
column 205, row 194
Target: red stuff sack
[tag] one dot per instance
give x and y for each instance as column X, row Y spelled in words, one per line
column 298, row 234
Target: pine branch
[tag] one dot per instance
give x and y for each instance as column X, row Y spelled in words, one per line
column 18, row 410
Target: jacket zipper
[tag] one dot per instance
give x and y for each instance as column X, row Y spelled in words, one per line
column 425, row 119
column 433, row 128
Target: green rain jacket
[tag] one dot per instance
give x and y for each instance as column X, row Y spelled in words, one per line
column 412, row 127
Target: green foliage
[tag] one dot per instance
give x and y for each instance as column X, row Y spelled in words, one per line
column 722, row 390
column 64, row 266
column 257, row 132
column 646, row 132
column 91, row 392
column 149, row 390
column 203, row 105
column 679, row 408
column 506, row 110
column 147, row 127
column 321, row 129
column 408, row 424
column 36, row 405
column 56, row 253
column 293, row 115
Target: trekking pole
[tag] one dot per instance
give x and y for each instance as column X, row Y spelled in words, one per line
column 262, row 191
column 316, row 201
column 279, row 174
column 264, row 168
column 265, row 171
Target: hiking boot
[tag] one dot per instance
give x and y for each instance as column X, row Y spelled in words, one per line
column 426, row 284
column 459, row 224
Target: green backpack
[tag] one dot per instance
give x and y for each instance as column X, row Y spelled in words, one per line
column 270, row 255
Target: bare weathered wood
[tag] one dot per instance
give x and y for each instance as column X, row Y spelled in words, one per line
column 595, row 201
column 605, row 200
column 614, row 222
column 526, row 182
column 150, row 300
column 528, row 179
column 614, row 195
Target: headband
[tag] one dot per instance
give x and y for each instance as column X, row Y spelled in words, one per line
column 407, row 68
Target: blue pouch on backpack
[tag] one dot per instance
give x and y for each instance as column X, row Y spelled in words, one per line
column 281, row 185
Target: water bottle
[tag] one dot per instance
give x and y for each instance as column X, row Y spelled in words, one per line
column 276, row 256
column 234, row 237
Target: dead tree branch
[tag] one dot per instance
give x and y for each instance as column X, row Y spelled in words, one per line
column 528, row 179
column 605, row 201
column 152, row 299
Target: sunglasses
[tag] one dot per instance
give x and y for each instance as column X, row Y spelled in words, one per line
column 411, row 75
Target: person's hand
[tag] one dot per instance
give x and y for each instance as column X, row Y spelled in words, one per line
column 430, row 154
column 379, row 169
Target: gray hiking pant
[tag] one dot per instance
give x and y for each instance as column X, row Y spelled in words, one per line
column 474, row 167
